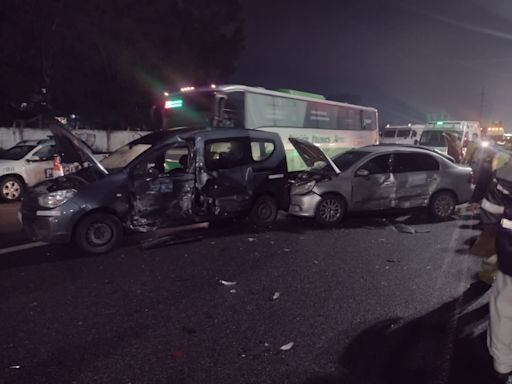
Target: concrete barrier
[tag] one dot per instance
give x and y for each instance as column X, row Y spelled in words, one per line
column 100, row 141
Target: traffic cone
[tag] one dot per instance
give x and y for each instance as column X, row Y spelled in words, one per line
column 57, row 167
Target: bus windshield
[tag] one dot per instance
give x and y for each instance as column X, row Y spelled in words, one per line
column 189, row 110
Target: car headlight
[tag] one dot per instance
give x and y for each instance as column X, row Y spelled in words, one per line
column 303, row 188
column 54, row 199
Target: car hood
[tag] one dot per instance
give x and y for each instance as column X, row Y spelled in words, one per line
column 72, row 148
column 311, row 154
column 74, row 181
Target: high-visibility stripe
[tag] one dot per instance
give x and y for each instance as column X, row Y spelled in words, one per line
column 506, row 223
column 491, row 207
column 502, row 190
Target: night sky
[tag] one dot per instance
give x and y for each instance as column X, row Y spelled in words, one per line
column 411, row 59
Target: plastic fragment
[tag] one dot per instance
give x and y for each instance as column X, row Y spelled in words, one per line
column 251, row 239
column 224, row 282
column 276, row 295
column 15, row 366
column 232, row 291
column 286, row 250
column 287, row 347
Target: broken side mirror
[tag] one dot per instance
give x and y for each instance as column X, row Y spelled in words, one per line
column 362, row 172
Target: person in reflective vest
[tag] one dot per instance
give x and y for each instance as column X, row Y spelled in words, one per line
column 499, row 336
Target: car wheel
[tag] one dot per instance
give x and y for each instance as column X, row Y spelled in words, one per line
column 11, row 188
column 264, row 211
column 98, row 233
column 442, row 205
column 330, row 210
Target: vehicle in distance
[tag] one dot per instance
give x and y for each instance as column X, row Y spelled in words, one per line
column 402, row 134
column 434, row 134
column 167, row 178
column 25, row 164
column 375, row 178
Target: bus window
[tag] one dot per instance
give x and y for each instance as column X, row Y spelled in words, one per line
column 259, row 111
column 289, row 112
column 234, row 110
column 369, row 120
column 349, row 119
column 321, row 116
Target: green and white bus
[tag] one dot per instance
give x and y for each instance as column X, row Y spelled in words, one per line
column 333, row 126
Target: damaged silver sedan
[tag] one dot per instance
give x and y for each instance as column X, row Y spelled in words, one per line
column 167, row 178
column 375, row 178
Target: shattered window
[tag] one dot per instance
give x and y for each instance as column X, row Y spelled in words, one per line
column 261, row 150
column 225, row 154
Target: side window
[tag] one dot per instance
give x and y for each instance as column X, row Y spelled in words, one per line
column 176, row 160
column 379, row 164
column 403, row 133
column 225, row 154
column 261, row 149
column 234, row 110
column 168, row 161
column 46, row 153
column 349, row 119
column 369, row 120
column 414, row 162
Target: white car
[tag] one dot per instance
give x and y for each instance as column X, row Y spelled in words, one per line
column 25, row 164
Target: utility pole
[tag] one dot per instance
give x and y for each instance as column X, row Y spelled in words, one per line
column 482, row 97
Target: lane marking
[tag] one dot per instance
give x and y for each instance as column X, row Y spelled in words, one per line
column 22, row 247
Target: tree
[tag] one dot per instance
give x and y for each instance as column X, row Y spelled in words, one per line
column 108, row 61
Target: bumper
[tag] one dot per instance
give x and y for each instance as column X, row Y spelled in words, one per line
column 304, row 205
column 49, row 225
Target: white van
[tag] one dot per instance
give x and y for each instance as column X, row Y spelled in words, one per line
column 402, row 134
column 432, row 135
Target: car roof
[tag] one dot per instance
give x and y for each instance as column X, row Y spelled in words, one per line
column 410, row 148
column 163, row 136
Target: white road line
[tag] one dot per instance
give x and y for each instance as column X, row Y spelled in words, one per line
column 22, row 247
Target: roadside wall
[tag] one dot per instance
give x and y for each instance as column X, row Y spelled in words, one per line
column 100, row 141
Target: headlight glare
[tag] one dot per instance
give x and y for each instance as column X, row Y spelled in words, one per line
column 54, row 199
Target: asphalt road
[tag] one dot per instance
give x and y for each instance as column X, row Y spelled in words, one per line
column 364, row 303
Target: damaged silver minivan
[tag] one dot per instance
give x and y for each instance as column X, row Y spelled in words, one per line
column 167, row 178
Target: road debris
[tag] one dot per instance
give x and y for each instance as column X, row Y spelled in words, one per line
column 15, row 367
column 276, row 295
column 251, row 239
column 287, row 347
column 392, row 261
column 168, row 240
column 286, row 250
column 224, row 282
column 402, row 228
column 232, row 291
